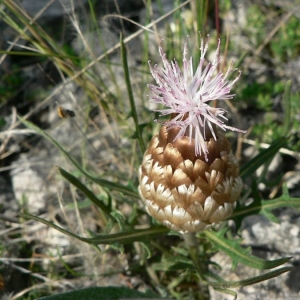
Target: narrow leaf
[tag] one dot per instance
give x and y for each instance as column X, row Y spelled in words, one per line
column 135, row 235
column 174, row 263
column 72, row 179
column 238, row 217
column 121, row 221
column 122, row 237
column 266, row 207
column 50, row 224
column 265, row 155
column 249, row 281
column 106, row 183
column 241, row 255
column 148, row 252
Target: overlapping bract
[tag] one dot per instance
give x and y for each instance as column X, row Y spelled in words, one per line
column 184, row 192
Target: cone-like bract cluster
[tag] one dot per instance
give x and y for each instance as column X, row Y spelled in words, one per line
column 185, row 192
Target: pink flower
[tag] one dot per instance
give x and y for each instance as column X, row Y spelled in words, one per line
column 186, row 93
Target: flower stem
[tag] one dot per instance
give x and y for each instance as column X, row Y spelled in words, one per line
column 192, row 244
column 130, row 94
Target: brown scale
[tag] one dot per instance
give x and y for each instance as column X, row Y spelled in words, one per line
column 177, row 154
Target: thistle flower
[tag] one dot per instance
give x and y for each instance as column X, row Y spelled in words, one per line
column 189, row 178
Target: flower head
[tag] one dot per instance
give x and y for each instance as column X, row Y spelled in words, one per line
column 186, row 94
column 189, row 178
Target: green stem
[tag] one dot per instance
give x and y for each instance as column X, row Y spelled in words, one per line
column 192, row 244
column 130, row 94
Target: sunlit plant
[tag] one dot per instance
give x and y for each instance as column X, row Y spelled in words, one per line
column 189, row 181
column 185, row 186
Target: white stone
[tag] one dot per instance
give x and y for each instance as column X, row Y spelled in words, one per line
column 29, row 187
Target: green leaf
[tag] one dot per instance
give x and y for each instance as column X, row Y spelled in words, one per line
column 106, row 183
column 118, row 247
column 134, row 235
column 111, row 185
column 68, row 268
column 134, row 215
column 181, row 251
column 265, row 207
column 228, row 292
column 147, row 250
column 249, row 281
column 264, row 156
column 103, row 293
column 222, row 286
column 238, row 254
column 135, row 135
column 174, row 263
column 121, row 237
column 121, row 221
column 88, row 193
column 50, row 224
column 254, row 207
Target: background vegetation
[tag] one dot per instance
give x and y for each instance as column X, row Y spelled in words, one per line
column 95, row 64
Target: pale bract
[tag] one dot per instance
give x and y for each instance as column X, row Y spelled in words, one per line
column 186, row 94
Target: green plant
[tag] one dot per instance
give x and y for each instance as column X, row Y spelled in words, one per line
column 172, row 264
